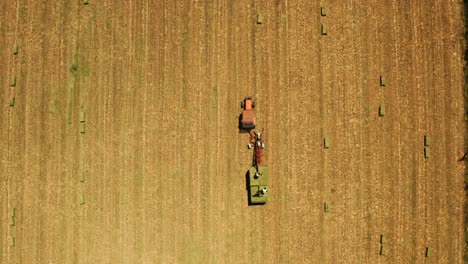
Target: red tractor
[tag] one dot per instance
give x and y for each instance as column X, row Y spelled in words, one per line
column 247, row 118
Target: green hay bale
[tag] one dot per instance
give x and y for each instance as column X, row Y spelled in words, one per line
column 82, row 199
column 428, row 252
column 324, row 29
column 15, row 49
column 85, row 2
column 327, row 142
column 82, row 128
column 82, row 177
column 427, row 141
column 259, row 19
column 381, row 110
column 323, row 11
column 383, row 250
column 11, row 241
column 82, row 116
column 382, row 81
column 12, row 220
column 326, row 207
column 13, row 81
column 12, row 212
column 427, row 152
column 12, row 101
column 382, row 239
column 466, row 235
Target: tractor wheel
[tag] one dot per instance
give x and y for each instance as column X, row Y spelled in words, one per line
column 242, row 104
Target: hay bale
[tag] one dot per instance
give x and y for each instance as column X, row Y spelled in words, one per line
column 259, row 19
column 381, row 110
column 326, row 207
column 85, row 2
column 82, row 116
column 382, row 80
column 427, row 152
column 82, row 128
column 82, row 199
column 13, row 81
column 427, row 141
column 327, row 142
column 12, row 212
column 82, row 177
column 11, row 241
column 382, row 239
column 324, row 29
column 12, row 101
column 15, row 49
column 12, row 220
column 383, row 250
column 323, row 11
column 428, row 252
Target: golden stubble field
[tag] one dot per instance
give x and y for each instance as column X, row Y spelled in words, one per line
column 161, row 165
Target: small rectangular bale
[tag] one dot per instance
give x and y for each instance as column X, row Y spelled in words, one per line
column 382, row 239
column 11, row 241
column 12, row 101
column 12, row 212
column 82, row 128
column 327, row 142
column 428, row 251
column 15, row 49
column 85, row 2
column 82, row 116
column 323, row 11
column 427, row 141
column 382, row 80
column 427, row 152
column 82, row 177
column 381, row 110
column 82, row 199
column 383, row 250
column 13, row 81
column 259, row 19
column 12, row 220
column 324, row 29
column 326, row 207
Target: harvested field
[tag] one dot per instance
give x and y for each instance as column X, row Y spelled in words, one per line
column 154, row 172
